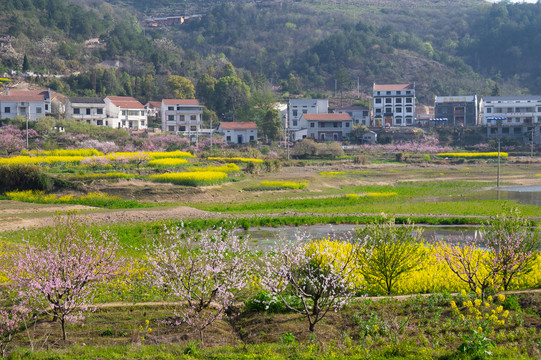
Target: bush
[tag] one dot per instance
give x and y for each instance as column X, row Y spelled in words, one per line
column 264, row 302
column 511, row 303
column 24, row 177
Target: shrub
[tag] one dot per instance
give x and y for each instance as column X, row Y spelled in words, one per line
column 24, row 177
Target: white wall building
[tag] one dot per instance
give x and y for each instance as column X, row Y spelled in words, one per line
column 512, row 116
column 87, row 109
column 238, row 132
column 182, row 116
column 298, row 107
column 28, row 104
column 359, row 114
column 125, row 112
column 326, row 127
column 393, row 105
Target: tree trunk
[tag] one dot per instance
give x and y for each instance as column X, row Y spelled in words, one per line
column 63, row 322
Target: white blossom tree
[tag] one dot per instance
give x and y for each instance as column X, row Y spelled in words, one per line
column 204, row 271
column 318, row 274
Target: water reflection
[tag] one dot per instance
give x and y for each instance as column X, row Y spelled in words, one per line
column 522, row 194
column 266, row 237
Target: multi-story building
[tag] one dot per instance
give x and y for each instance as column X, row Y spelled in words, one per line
column 238, row 132
column 334, row 127
column 125, row 112
column 393, row 105
column 359, row 114
column 457, row 110
column 87, row 109
column 298, row 107
column 28, row 104
column 512, row 116
column 182, row 116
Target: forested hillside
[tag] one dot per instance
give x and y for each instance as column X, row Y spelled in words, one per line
column 446, row 47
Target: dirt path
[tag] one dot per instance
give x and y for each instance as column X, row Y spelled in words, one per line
column 18, row 219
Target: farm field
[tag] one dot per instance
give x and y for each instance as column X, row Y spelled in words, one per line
column 140, row 201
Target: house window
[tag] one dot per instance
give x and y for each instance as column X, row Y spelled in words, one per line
column 295, row 122
column 123, row 122
column 388, row 101
column 312, row 124
column 305, row 111
column 193, row 117
column 171, row 117
column 322, row 125
column 335, row 124
column 388, row 93
column 252, row 138
column 38, row 110
column 295, row 112
column 378, row 101
column 106, row 123
column 178, row 108
column 193, row 128
column 399, row 100
column 99, row 111
column 170, row 108
column 539, row 109
column 124, row 112
column 88, row 111
column 171, row 128
column 46, row 107
column 76, row 111
column 398, row 93
column 347, row 124
column 398, row 120
column 228, row 138
column 378, row 111
column 142, row 122
column 99, row 122
column 388, row 110
column 398, row 109
column 408, row 92
column 365, row 113
column 409, row 100
column 7, row 109
column 408, row 109
column 489, row 110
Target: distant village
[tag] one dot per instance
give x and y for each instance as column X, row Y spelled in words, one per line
column 392, row 107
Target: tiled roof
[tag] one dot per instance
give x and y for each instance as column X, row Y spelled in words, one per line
column 238, row 125
column 327, row 117
column 180, row 102
column 353, row 108
column 154, row 104
column 25, row 98
column 392, row 87
column 511, row 98
column 125, row 102
column 25, row 95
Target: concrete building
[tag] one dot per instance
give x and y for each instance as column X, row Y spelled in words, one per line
column 238, row 132
column 87, row 109
column 359, row 114
column 182, row 116
column 28, row 104
column 334, row 127
column 457, row 110
column 125, row 112
column 298, row 107
column 393, row 105
column 512, row 116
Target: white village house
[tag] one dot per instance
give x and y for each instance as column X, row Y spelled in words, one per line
column 182, row 116
column 87, row 109
column 125, row 112
column 28, row 104
column 238, row 132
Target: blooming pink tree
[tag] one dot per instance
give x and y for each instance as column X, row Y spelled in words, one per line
column 507, row 248
column 205, row 272
column 319, row 277
column 59, row 274
column 10, row 324
column 11, row 144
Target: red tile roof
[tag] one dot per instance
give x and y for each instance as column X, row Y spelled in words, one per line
column 25, row 95
column 238, row 125
column 327, row 117
column 180, row 102
column 154, row 104
column 26, row 98
column 125, row 102
column 391, row 87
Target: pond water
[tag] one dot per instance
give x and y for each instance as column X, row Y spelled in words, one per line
column 266, row 237
column 522, row 194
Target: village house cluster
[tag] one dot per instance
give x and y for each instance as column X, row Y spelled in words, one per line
column 392, row 106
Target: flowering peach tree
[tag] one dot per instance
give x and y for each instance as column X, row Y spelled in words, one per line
column 204, row 271
column 318, row 275
column 59, row 274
